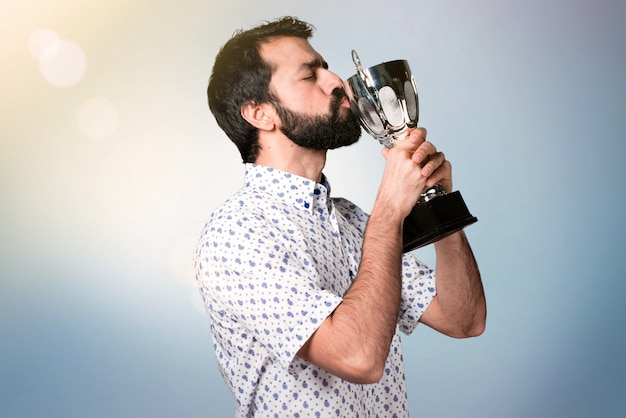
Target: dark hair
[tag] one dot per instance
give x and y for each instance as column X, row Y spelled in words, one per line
column 241, row 76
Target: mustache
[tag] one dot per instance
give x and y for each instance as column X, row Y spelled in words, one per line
column 338, row 95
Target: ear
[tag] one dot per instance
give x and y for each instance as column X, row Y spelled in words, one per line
column 261, row 116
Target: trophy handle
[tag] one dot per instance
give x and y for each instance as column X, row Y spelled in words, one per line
column 360, row 70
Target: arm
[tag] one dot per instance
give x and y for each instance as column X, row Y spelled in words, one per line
column 459, row 308
column 353, row 342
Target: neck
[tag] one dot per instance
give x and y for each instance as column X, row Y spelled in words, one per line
column 281, row 153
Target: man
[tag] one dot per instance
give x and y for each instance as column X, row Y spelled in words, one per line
column 306, row 293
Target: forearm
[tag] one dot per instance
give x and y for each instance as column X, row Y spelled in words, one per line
column 353, row 343
column 368, row 315
column 460, row 294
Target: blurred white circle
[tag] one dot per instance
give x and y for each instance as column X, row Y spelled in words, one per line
column 62, row 63
column 42, row 39
column 97, row 118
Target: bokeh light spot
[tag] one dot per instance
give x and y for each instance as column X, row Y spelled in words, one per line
column 97, row 118
column 62, row 63
column 42, row 39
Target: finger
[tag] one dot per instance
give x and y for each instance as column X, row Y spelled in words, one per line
column 434, row 161
column 424, row 152
column 418, row 134
column 443, row 175
column 410, row 143
column 421, row 132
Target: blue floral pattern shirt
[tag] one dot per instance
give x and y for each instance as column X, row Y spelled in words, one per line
column 272, row 263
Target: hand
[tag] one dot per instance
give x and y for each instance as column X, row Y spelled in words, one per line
column 434, row 165
column 402, row 181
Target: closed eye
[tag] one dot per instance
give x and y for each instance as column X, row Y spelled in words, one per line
column 313, row 66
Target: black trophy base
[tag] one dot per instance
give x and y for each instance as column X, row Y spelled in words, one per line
column 435, row 219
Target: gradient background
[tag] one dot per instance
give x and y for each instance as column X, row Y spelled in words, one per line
column 106, row 183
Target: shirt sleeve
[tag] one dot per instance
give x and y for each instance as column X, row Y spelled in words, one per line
column 262, row 277
column 418, row 290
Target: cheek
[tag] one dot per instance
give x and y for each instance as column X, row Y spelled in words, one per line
column 308, row 106
column 306, row 101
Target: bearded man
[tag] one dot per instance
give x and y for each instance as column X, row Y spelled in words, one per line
column 306, row 293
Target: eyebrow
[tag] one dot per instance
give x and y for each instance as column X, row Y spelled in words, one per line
column 314, row 63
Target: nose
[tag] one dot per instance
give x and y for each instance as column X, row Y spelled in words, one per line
column 331, row 81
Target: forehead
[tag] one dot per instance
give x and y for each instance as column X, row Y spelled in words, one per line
column 288, row 55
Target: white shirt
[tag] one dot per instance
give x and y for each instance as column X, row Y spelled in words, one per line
column 272, row 263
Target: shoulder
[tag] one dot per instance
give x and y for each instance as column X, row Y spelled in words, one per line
column 347, row 207
column 248, row 213
column 243, row 207
column 351, row 212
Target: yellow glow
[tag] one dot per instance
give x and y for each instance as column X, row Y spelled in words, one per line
column 97, row 118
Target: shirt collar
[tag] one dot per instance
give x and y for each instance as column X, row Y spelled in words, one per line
column 298, row 191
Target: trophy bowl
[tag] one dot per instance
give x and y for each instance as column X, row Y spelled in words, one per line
column 384, row 98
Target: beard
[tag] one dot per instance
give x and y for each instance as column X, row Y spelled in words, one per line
column 338, row 129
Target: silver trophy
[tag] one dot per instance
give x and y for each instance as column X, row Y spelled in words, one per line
column 384, row 99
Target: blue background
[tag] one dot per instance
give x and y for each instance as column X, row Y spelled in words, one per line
column 99, row 316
